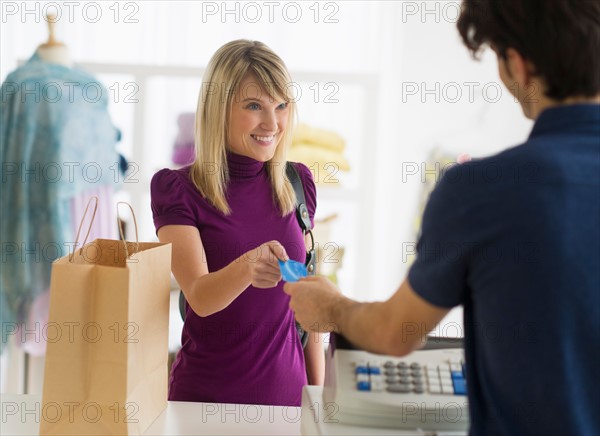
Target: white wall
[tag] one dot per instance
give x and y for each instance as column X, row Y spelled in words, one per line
column 408, row 47
column 434, row 95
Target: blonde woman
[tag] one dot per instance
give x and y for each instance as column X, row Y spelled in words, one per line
column 230, row 217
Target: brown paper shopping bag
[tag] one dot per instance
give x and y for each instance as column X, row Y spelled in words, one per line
column 106, row 361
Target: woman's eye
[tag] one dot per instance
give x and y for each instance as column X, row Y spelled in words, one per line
column 253, row 106
column 282, row 105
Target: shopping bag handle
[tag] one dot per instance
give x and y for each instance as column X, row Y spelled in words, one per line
column 137, row 239
column 94, row 197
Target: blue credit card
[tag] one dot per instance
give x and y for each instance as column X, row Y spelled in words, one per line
column 292, row 271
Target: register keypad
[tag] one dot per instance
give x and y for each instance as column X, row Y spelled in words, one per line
column 411, row 377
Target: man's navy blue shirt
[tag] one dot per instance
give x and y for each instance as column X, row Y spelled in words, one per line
column 515, row 239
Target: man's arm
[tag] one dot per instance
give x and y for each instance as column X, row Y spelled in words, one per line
column 395, row 327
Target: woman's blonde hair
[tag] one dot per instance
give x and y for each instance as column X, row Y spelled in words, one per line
column 220, row 83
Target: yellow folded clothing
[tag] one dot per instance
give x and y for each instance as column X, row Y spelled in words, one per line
column 309, row 155
column 305, row 134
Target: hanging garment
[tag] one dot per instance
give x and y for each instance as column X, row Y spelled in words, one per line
column 184, row 151
column 56, row 141
column 30, row 333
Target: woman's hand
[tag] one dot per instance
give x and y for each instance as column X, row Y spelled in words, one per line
column 263, row 265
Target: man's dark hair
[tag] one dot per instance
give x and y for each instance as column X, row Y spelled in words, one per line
column 561, row 38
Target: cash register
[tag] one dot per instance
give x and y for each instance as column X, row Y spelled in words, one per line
column 424, row 391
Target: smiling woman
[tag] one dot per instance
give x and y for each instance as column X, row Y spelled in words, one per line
column 230, row 219
column 391, row 78
column 257, row 121
column 243, row 77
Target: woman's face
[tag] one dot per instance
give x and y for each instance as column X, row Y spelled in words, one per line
column 257, row 121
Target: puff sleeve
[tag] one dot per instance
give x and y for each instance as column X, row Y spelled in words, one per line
column 171, row 202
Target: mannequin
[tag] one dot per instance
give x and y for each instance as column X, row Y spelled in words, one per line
column 54, row 52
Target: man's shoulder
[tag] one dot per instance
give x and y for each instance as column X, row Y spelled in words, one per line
column 500, row 170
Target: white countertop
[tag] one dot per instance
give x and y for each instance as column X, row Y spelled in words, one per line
column 21, row 416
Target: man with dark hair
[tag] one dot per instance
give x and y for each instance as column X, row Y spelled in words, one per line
column 523, row 231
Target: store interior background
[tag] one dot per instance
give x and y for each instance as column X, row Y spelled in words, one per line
column 392, row 78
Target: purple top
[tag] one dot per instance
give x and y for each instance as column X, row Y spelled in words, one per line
column 249, row 352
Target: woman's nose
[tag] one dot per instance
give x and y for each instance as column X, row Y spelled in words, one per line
column 269, row 121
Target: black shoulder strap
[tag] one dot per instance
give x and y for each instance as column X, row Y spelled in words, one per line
column 302, row 215
column 301, row 209
column 304, row 223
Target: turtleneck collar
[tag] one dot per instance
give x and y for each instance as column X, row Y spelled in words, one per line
column 243, row 167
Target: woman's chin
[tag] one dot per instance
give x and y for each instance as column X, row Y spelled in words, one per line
column 264, row 155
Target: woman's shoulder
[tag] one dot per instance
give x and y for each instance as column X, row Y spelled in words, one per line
column 304, row 172
column 173, row 199
column 308, row 184
column 306, row 175
column 171, row 182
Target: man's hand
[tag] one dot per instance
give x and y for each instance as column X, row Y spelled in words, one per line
column 396, row 326
column 315, row 300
